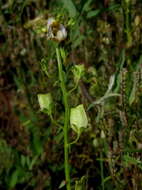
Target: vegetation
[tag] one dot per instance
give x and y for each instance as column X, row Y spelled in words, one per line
column 70, row 94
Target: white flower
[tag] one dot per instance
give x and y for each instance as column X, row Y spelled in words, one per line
column 61, row 33
column 50, row 21
column 55, row 30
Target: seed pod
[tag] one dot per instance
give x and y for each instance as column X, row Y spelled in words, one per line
column 46, row 103
column 78, row 119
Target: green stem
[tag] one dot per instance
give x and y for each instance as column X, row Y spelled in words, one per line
column 102, row 171
column 74, row 88
column 75, row 141
column 66, row 121
column 54, row 122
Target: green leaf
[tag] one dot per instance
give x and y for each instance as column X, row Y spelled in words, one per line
column 114, row 7
column 14, row 179
column 93, row 13
column 69, row 5
column 37, row 144
column 107, row 95
column 111, row 83
column 23, row 160
column 33, row 162
column 86, row 6
column 128, row 160
column 62, row 184
column 132, row 94
column 80, row 184
column 107, row 179
column 78, row 39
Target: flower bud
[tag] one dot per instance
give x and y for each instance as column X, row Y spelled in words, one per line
column 78, row 71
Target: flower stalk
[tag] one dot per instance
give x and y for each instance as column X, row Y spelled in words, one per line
column 66, row 120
